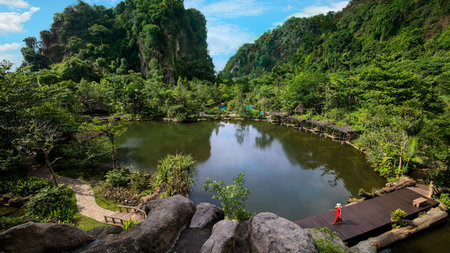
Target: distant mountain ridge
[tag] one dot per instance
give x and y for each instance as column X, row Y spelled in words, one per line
column 342, row 40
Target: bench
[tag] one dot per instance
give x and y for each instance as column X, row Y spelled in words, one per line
column 419, row 202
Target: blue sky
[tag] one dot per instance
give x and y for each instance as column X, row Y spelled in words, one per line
column 230, row 23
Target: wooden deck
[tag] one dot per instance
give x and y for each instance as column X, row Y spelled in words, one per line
column 368, row 218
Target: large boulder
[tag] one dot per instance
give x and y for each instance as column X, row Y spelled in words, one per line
column 270, row 233
column 191, row 240
column 158, row 232
column 43, row 237
column 223, row 237
column 162, row 226
column 102, row 231
column 206, row 216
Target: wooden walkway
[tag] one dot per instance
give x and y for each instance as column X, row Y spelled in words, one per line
column 368, row 218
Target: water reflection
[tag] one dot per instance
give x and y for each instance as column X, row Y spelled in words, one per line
column 289, row 172
column 145, row 143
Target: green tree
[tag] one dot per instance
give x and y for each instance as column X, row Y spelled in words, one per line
column 109, row 128
column 232, row 197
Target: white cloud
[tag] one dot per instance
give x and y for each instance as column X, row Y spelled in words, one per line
column 10, row 46
column 10, row 52
column 318, row 9
column 14, row 3
column 13, row 21
column 227, row 8
column 226, row 39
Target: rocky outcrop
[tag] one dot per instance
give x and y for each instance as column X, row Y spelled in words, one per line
column 158, row 232
column 223, row 238
column 43, row 237
column 270, row 233
column 100, row 232
column 192, row 239
column 206, row 216
column 169, row 215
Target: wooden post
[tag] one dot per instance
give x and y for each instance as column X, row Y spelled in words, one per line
column 430, row 190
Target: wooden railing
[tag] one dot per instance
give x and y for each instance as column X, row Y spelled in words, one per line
column 134, row 209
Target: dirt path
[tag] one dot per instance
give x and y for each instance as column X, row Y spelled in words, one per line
column 83, row 191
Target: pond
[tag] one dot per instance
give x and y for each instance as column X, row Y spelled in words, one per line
column 289, row 172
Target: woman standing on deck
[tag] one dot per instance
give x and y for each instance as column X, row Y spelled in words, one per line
column 338, row 213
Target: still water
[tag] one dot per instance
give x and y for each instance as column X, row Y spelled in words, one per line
column 289, row 172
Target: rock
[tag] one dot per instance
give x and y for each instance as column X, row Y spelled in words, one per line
column 102, row 231
column 43, row 237
column 159, row 231
column 270, row 233
column 206, row 216
column 321, row 237
column 365, row 247
column 223, row 237
column 191, row 240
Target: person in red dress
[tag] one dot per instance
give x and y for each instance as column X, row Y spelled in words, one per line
column 338, row 214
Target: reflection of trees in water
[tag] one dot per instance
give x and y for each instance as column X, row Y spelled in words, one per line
column 264, row 139
column 312, row 152
column 162, row 138
column 242, row 129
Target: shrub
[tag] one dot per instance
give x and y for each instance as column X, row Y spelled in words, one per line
column 22, row 187
column 232, row 197
column 117, row 178
column 174, row 174
column 129, row 224
column 52, row 204
column 140, row 181
column 396, row 218
column 445, row 199
column 326, row 244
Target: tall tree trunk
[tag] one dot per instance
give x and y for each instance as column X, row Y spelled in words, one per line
column 399, row 167
column 50, row 167
column 113, row 152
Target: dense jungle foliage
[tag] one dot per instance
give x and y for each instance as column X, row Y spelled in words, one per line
column 381, row 67
column 152, row 37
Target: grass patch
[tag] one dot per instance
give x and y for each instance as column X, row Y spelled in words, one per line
column 104, row 202
column 86, row 223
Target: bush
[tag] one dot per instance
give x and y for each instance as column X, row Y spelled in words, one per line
column 22, row 187
column 174, row 174
column 129, row 224
column 117, row 178
column 232, row 197
column 52, row 204
column 445, row 199
column 327, row 244
column 396, row 218
column 140, row 181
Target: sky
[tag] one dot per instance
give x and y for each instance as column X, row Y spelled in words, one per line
column 230, row 23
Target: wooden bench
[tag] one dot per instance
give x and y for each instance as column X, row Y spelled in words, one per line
column 419, row 202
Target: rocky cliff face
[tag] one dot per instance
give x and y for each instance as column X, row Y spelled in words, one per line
column 154, row 37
